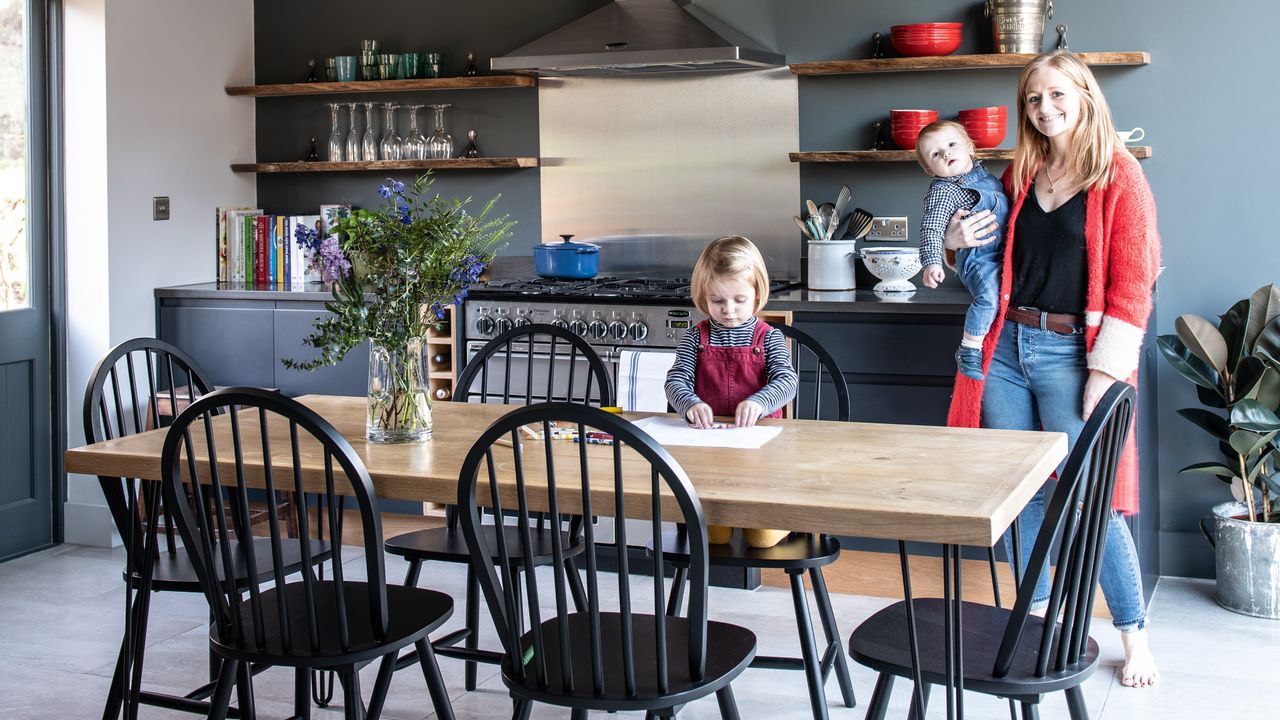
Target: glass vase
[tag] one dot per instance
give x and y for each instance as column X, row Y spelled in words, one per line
column 399, row 407
column 415, row 145
column 389, row 148
column 352, row 149
column 335, row 134
column 369, row 143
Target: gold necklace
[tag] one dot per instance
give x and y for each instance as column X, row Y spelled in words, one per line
column 1050, row 178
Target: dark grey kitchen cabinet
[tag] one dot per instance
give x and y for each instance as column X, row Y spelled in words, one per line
column 240, row 337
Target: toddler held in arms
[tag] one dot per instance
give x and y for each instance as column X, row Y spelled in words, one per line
column 732, row 364
column 960, row 182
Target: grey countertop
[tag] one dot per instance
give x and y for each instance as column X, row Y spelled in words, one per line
column 942, row 301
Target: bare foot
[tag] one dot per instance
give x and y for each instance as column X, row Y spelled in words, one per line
column 1139, row 669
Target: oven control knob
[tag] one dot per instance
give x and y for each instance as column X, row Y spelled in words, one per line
column 578, row 327
column 617, row 330
column 639, row 330
column 597, row 329
column 484, row 324
column 560, row 323
column 503, row 324
column 523, row 321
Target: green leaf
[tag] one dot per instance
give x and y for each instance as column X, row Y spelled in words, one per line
column 1210, row 468
column 1248, row 374
column 1211, row 422
column 1267, row 343
column 1264, row 307
column 1232, row 325
column 1186, row 363
column 1202, row 338
column 1252, row 415
column 1268, row 390
column 1247, row 442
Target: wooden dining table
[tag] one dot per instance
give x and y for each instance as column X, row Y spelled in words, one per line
column 952, row 486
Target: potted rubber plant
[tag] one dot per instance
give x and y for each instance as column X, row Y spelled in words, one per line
column 1235, row 366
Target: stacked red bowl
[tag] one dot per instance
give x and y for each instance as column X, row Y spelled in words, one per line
column 905, row 126
column 925, row 39
column 986, row 126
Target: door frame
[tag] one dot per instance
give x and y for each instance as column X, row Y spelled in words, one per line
column 52, row 216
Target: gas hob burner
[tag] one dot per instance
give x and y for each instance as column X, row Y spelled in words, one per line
column 640, row 289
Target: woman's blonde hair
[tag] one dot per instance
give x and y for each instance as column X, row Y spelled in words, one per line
column 1094, row 141
column 731, row 256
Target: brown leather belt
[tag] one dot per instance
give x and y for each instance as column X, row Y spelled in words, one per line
column 1057, row 322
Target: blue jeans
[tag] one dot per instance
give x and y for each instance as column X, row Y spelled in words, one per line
column 979, row 269
column 1036, row 381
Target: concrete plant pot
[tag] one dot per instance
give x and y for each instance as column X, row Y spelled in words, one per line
column 1247, row 558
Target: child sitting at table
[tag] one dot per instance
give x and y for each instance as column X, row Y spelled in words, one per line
column 732, row 364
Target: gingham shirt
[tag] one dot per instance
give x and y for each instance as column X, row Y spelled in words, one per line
column 778, row 391
column 945, row 196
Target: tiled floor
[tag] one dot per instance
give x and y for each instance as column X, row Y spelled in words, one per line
column 60, row 622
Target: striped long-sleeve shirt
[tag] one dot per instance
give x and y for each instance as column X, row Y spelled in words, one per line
column 782, row 379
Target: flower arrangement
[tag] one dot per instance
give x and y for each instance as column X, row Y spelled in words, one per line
column 394, row 269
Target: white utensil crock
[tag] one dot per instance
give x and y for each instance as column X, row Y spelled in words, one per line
column 831, row 264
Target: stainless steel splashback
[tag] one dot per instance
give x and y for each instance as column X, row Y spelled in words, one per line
column 657, row 166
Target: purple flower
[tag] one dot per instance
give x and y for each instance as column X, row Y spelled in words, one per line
column 330, row 261
column 307, row 237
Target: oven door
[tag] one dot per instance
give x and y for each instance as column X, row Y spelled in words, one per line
column 522, row 364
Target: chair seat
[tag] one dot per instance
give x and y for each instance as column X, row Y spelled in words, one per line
column 173, row 571
column 730, row 649
column 449, row 545
column 797, row 551
column 879, row 644
column 413, row 612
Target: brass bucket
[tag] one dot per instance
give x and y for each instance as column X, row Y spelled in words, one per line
column 1017, row 26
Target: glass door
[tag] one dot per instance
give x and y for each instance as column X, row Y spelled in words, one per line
column 26, row 371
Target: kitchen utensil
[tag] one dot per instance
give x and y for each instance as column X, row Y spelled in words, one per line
column 893, row 266
column 842, row 201
column 859, row 224
column 831, row 264
column 815, row 232
column 827, row 213
column 812, row 207
column 567, row 259
column 803, row 228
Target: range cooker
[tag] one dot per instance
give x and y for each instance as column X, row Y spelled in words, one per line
column 613, row 314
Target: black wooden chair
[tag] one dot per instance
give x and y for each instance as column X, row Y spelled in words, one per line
column 593, row 658
column 495, row 375
column 305, row 623
column 137, row 386
column 798, row 553
column 1012, row 653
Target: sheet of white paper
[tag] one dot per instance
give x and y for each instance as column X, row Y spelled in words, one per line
column 674, row 431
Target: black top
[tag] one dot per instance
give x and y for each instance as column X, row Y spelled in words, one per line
column 1050, row 270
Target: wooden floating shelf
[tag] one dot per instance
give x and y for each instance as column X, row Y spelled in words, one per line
column 447, row 164
column 956, row 62
column 372, row 86
column 843, row 156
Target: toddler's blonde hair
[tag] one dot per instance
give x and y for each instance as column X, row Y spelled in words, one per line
column 731, row 256
column 936, row 127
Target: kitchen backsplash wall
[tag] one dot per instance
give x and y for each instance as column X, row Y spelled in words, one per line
column 693, row 154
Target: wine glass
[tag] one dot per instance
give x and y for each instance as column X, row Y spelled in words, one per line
column 440, row 144
column 415, row 145
column 389, row 148
column 353, row 137
column 369, row 144
column 335, row 135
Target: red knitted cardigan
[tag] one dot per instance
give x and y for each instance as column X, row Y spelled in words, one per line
column 1123, row 252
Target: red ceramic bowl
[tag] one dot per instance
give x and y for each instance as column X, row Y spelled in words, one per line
column 925, row 48
column 950, row 27
column 926, row 39
column 927, row 116
column 986, row 136
column 905, row 138
column 999, row 112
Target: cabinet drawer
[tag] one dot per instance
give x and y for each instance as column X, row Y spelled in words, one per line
column 232, row 344
column 893, row 346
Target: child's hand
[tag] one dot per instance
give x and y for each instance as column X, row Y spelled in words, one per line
column 933, row 275
column 700, row 416
column 748, row 412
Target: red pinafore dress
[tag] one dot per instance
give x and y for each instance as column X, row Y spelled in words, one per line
column 725, row 376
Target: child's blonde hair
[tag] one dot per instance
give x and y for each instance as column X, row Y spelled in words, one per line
column 731, row 256
column 938, row 126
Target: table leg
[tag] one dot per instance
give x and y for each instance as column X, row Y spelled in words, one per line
column 916, row 676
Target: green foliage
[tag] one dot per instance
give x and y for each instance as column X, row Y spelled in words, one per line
column 1236, row 368
column 411, row 257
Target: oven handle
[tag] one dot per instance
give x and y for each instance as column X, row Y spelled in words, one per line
column 607, row 354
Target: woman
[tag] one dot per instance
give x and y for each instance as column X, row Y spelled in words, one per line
column 1081, row 257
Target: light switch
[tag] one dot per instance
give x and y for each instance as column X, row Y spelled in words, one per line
column 160, row 207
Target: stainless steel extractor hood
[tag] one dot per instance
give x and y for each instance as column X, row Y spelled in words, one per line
column 639, row 36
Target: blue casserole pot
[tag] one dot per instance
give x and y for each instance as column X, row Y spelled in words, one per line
column 567, row 259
